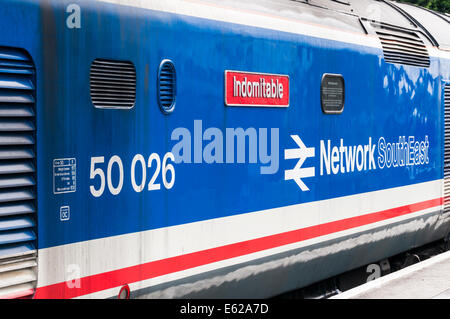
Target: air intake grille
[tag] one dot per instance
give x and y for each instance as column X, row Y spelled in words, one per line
column 17, row 175
column 113, row 84
column 167, row 88
column 402, row 46
column 447, row 150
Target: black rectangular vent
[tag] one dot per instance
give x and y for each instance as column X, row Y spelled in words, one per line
column 446, row 149
column 113, row 84
column 402, row 46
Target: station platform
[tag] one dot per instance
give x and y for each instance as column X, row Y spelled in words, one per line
column 429, row 279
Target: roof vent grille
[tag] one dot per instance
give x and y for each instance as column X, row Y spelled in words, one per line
column 113, row 84
column 402, row 46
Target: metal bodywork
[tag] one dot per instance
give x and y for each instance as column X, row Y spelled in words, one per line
column 203, row 236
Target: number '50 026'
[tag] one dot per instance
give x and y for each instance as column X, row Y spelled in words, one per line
column 115, row 166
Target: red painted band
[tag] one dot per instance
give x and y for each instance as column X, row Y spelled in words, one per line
column 120, row 277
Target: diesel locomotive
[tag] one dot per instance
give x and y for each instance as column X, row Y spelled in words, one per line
column 217, row 148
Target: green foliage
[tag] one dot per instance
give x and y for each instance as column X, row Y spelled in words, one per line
column 438, row 5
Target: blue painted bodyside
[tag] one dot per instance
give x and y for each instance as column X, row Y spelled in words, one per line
column 382, row 100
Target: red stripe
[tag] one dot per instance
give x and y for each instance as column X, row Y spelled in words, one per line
column 120, row 277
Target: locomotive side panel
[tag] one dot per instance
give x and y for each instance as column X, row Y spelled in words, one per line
column 236, row 213
column 211, row 198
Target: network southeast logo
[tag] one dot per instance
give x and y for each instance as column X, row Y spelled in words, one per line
column 213, row 145
column 343, row 159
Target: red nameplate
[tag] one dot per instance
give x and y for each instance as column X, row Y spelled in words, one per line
column 256, row 89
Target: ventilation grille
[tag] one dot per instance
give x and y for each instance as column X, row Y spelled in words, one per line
column 447, row 150
column 402, row 46
column 113, row 84
column 167, row 88
column 17, row 175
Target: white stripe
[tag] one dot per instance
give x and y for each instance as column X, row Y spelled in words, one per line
column 200, row 9
column 112, row 253
column 205, row 10
column 181, row 290
column 435, row 52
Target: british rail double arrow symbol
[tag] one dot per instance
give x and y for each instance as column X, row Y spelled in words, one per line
column 302, row 153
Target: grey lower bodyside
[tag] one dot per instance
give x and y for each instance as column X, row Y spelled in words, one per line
column 269, row 276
